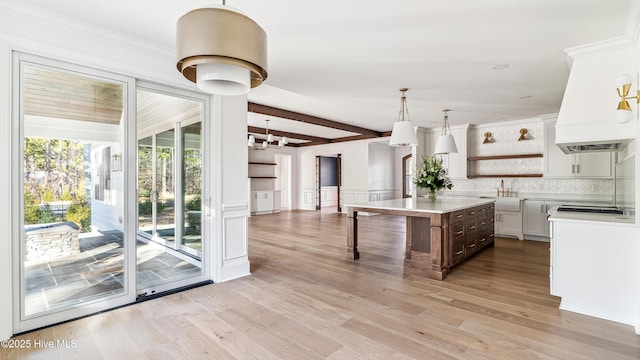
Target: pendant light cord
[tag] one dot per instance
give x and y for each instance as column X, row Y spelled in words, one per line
column 403, row 106
column 445, row 124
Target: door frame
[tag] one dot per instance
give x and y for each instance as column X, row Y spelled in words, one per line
column 21, row 322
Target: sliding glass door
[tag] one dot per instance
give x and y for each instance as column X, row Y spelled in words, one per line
column 108, row 200
column 169, row 189
column 71, row 239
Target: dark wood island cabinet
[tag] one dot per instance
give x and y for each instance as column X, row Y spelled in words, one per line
column 439, row 235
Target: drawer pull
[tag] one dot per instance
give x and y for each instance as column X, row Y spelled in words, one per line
column 472, row 227
column 482, row 223
column 472, row 245
column 459, row 252
column 459, row 216
column 459, row 232
column 472, row 213
column 483, row 239
column 490, row 235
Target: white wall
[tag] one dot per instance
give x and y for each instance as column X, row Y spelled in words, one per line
column 381, row 159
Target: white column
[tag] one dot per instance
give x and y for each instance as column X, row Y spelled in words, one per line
column 230, row 258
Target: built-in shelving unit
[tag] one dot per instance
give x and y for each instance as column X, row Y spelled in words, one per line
column 470, row 175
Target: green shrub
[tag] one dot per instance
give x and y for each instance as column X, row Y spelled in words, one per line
column 80, row 213
column 144, row 207
column 194, row 204
column 32, row 214
column 66, row 195
column 47, row 216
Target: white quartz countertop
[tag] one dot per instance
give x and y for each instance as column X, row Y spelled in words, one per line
column 440, row 206
column 555, row 215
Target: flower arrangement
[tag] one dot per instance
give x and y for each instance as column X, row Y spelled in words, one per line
column 432, row 176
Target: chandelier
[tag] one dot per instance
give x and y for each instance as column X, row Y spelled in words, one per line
column 266, row 144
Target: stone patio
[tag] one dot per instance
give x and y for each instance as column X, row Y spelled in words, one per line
column 97, row 271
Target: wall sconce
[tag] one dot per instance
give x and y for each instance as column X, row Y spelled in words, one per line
column 487, row 138
column 116, row 161
column 523, row 134
column 624, row 113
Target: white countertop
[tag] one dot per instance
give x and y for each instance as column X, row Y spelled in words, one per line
column 440, row 206
column 555, row 215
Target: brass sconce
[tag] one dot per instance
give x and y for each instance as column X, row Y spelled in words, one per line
column 623, row 113
column 523, row 134
column 487, row 138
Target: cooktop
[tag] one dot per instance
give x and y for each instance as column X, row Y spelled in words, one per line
column 591, row 209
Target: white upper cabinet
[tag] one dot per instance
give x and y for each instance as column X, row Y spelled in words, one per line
column 560, row 165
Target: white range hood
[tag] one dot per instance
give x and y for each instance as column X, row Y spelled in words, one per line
column 586, row 119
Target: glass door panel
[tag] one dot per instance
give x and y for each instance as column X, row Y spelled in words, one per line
column 192, row 188
column 146, row 197
column 169, row 247
column 165, row 185
column 72, row 248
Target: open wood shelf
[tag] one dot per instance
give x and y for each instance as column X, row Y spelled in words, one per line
column 261, row 163
column 502, row 157
column 504, row 176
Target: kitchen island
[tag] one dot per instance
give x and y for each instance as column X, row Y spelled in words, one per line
column 439, row 234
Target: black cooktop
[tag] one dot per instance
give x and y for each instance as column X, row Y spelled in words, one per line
column 591, row 209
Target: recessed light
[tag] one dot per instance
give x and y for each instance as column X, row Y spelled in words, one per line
column 501, row 67
column 525, row 97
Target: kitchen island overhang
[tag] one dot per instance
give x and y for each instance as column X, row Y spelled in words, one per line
column 439, row 234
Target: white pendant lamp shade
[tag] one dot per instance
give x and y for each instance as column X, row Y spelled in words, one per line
column 403, row 134
column 252, row 140
column 446, row 144
column 221, row 50
column 223, row 79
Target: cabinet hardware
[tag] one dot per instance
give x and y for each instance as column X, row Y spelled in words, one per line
column 578, row 169
column 472, row 227
column 459, row 216
column 573, row 168
column 459, row 232
column 541, row 208
column 459, row 252
column 472, row 245
column 483, row 239
column 472, row 213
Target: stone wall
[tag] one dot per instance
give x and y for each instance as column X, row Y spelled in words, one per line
column 49, row 241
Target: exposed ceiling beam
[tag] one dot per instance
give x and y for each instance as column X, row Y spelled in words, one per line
column 310, row 119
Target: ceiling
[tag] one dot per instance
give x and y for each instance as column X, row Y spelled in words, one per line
column 345, row 61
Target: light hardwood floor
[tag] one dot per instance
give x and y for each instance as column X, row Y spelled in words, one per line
column 304, row 300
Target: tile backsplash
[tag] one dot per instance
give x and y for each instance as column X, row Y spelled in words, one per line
column 505, row 136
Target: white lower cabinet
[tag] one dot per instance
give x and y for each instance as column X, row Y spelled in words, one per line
column 535, row 217
column 262, row 202
column 508, row 223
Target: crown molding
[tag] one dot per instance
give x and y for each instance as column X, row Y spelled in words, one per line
column 82, row 28
column 629, row 39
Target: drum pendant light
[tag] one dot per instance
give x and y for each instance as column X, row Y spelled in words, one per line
column 221, row 50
